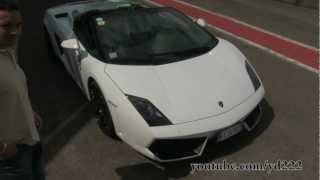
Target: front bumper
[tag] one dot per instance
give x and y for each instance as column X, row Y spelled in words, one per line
column 166, row 150
column 188, row 140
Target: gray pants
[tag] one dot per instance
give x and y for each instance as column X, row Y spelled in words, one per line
column 26, row 165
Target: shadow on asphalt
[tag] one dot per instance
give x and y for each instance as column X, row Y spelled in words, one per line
column 54, row 95
column 63, row 107
column 213, row 151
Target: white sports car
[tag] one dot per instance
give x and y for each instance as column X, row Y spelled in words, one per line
column 159, row 80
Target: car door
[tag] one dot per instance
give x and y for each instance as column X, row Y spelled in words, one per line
column 69, row 57
column 74, row 58
column 61, row 52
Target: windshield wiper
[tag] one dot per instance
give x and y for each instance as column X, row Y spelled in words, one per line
column 169, row 57
column 186, row 52
column 134, row 60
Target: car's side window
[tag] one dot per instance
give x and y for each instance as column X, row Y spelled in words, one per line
column 85, row 33
column 92, row 37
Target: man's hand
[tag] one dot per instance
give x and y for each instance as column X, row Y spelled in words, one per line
column 10, row 151
column 37, row 120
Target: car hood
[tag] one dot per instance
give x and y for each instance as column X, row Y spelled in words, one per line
column 192, row 89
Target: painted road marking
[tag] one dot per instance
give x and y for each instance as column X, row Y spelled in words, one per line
column 293, row 51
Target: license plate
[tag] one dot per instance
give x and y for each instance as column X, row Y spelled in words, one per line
column 227, row 133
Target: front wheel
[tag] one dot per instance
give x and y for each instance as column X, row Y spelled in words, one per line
column 101, row 109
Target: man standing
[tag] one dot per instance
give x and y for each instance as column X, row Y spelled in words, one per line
column 20, row 148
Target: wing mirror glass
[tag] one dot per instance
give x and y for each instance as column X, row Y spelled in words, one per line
column 201, row 22
column 70, row 44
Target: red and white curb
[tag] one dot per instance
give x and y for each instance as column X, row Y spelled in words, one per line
column 295, row 52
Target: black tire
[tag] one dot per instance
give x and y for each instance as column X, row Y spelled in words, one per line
column 102, row 111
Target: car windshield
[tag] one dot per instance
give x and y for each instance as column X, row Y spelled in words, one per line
column 148, row 36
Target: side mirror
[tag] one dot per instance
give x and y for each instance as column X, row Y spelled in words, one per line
column 70, row 44
column 201, row 22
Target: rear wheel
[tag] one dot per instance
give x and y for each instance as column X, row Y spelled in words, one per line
column 101, row 109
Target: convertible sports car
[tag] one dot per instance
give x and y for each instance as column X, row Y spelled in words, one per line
column 158, row 79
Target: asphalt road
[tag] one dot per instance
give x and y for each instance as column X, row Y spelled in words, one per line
column 77, row 150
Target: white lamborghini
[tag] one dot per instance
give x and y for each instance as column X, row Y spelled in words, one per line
column 158, row 79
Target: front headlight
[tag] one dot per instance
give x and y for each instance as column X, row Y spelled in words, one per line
column 149, row 112
column 253, row 76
